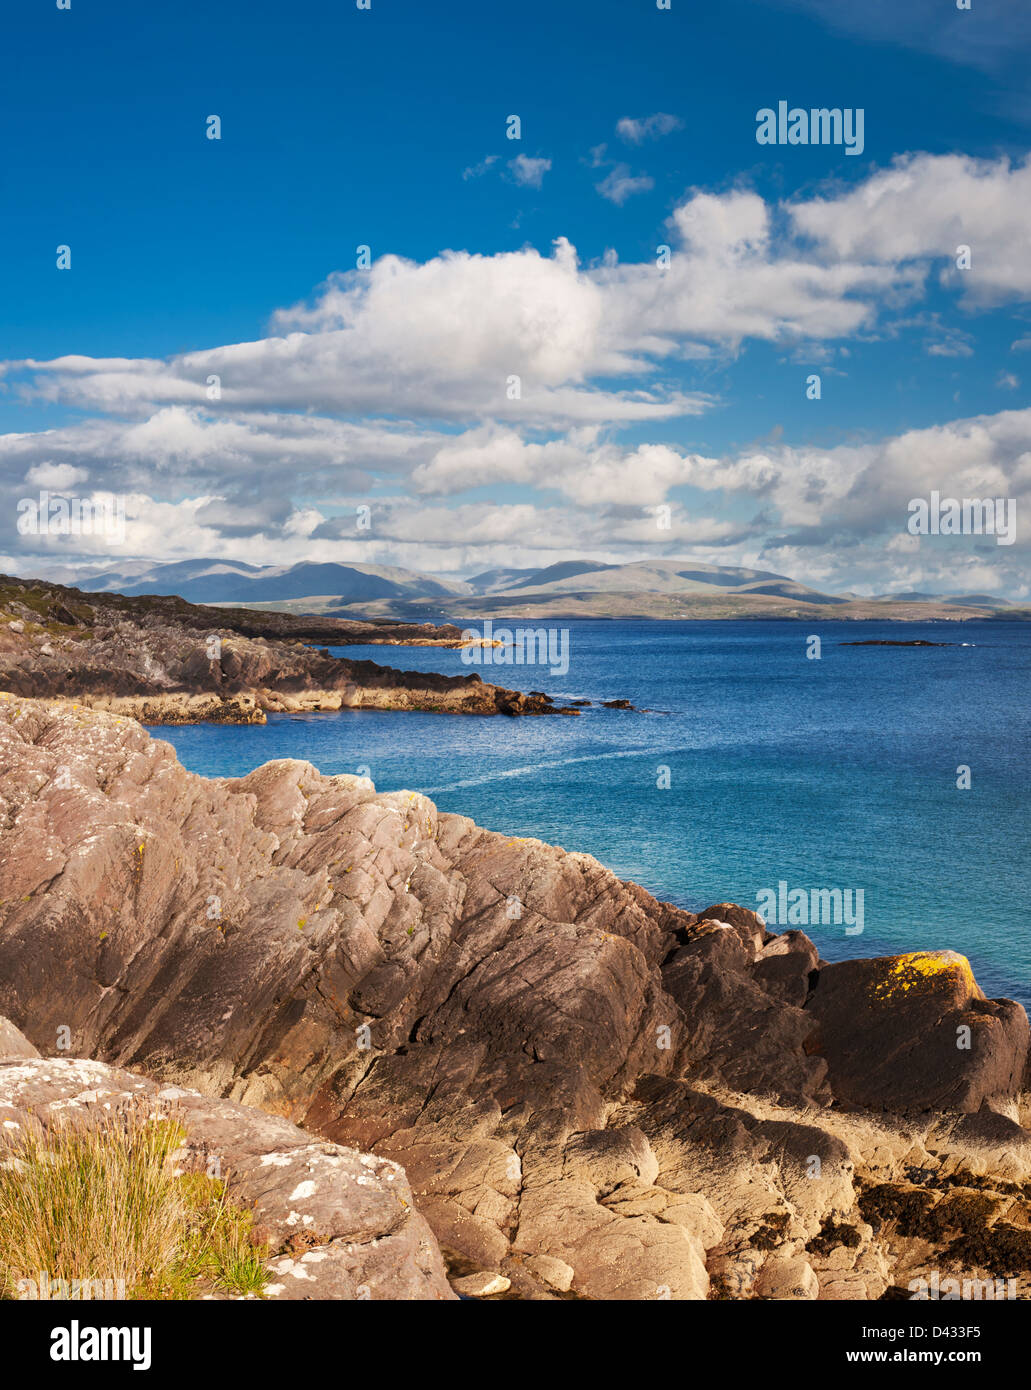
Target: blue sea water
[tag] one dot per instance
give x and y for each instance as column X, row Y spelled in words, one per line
column 839, row 772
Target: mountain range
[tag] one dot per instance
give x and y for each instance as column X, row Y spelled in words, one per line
column 666, row 588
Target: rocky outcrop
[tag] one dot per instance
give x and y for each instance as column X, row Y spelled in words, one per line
column 916, row 1032
column 592, row 1093
column 338, row 1223
column 39, row 601
column 164, row 661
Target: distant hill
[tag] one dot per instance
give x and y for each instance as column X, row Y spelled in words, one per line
column 966, row 600
column 234, row 581
column 491, row 580
column 670, row 579
column 556, row 574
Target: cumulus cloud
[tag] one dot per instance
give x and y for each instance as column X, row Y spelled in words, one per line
column 731, row 278
column 809, row 499
column 925, row 208
column 834, row 518
column 179, row 448
column 443, row 339
column 58, row 476
column 587, row 472
column 440, row 340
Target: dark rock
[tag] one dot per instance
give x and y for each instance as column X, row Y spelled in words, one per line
column 894, row 1031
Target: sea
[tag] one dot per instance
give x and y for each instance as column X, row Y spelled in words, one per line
column 759, row 768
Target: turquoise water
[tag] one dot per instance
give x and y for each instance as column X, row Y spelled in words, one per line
column 832, row 773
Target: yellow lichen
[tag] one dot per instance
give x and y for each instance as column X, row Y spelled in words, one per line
column 918, row 969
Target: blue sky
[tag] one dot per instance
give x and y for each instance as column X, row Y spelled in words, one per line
column 386, row 387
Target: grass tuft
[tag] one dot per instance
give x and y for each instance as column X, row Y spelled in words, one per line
column 105, row 1202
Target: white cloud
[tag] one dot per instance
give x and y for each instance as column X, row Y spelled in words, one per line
column 586, row 472
column 818, row 496
column 952, row 345
column 58, row 477
column 476, row 171
column 924, row 208
column 441, row 339
column 419, row 359
column 636, row 130
column 619, row 184
column 835, row 518
column 731, row 278
column 529, row 171
column 179, row 448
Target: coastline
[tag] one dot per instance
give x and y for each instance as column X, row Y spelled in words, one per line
column 167, row 661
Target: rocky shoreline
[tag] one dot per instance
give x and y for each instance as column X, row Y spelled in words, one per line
column 164, row 661
column 591, row 1093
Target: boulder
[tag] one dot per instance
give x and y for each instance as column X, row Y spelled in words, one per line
column 481, row 1285
column 914, row 1032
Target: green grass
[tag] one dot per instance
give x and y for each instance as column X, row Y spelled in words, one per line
column 105, row 1203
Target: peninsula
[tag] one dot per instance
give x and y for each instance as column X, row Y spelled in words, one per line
column 165, row 661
